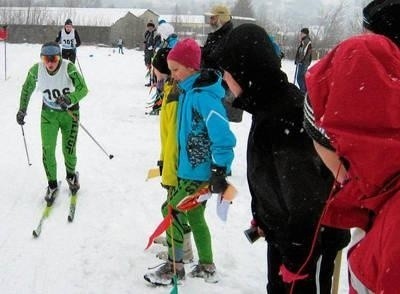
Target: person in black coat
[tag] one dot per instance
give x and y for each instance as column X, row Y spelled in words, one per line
column 288, row 182
column 220, row 20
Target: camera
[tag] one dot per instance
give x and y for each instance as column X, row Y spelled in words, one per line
column 252, row 234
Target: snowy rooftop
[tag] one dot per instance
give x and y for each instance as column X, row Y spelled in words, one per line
column 194, row 19
column 58, row 15
column 183, row 18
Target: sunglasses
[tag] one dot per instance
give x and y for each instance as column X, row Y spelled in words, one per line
column 50, row 58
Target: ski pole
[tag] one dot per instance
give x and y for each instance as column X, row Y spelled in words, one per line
column 295, row 74
column 26, row 147
column 79, row 65
column 110, row 156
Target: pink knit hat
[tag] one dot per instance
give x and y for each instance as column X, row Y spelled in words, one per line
column 186, row 52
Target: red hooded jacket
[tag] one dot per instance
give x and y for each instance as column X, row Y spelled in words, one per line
column 355, row 95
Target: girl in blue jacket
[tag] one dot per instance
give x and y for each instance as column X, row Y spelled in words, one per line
column 205, row 144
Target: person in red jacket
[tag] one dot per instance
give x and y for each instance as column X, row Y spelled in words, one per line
column 353, row 115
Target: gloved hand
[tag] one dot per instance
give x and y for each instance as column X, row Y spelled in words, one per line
column 160, row 165
column 20, row 117
column 218, row 183
column 64, row 101
column 290, row 277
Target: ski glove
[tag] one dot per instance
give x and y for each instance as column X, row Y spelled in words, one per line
column 218, row 183
column 20, row 117
column 63, row 101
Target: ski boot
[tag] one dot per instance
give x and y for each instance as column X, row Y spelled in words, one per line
column 51, row 193
column 73, row 182
column 164, row 275
column 206, row 271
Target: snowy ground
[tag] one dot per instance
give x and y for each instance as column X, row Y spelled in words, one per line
column 102, row 251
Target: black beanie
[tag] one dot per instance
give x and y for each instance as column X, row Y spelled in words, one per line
column 383, row 17
column 160, row 61
column 150, row 24
column 305, row 31
column 68, row 21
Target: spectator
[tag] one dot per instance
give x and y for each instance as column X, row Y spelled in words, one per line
column 288, row 182
column 69, row 39
column 62, row 87
column 151, row 42
column 220, row 20
column 167, row 33
column 168, row 161
column 205, row 145
column 353, row 116
column 303, row 58
column 120, row 44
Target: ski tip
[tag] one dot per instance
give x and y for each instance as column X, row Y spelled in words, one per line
column 111, row 156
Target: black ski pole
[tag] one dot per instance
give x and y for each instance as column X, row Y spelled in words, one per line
column 110, row 156
column 79, row 65
column 26, row 147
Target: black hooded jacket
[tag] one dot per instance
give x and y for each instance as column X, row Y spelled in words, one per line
column 288, row 182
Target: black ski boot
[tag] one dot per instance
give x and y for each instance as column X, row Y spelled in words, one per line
column 73, row 182
column 51, row 192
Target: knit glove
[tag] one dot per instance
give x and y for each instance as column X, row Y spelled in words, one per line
column 20, row 117
column 64, row 101
column 218, row 183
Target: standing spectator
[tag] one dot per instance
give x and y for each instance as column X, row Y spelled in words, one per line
column 288, row 182
column 168, row 41
column 69, row 39
column 167, row 33
column 62, row 88
column 120, row 44
column 220, row 20
column 303, row 58
column 168, row 162
column 221, row 24
column 353, row 115
column 151, row 41
column 205, row 145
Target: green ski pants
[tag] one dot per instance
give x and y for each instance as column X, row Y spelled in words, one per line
column 51, row 122
column 196, row 219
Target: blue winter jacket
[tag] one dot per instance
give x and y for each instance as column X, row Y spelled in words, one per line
column 204, row 136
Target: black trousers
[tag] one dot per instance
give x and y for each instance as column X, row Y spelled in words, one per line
column 332, row 240
column 69, row 54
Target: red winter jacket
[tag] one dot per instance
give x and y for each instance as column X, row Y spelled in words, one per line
column 355, row 95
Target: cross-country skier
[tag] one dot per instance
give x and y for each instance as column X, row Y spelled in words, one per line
column 61, row 87
column 69, row 40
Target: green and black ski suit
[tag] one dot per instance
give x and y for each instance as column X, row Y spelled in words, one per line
column 66, row 80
